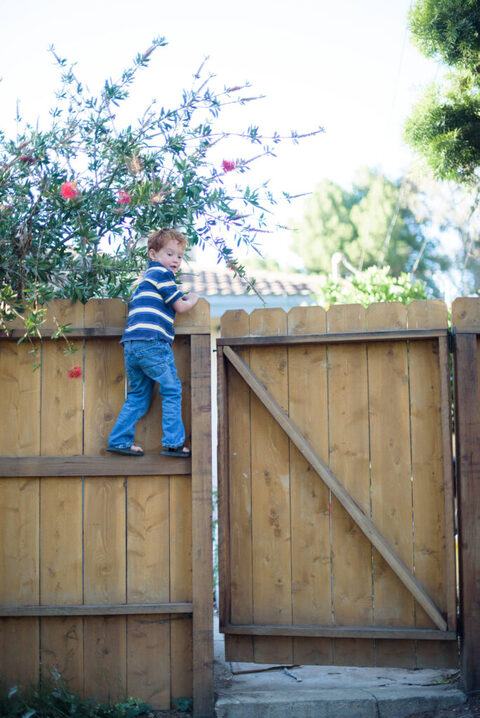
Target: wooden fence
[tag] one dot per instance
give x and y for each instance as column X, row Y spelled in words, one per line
column 105, row 561
column 336, row 486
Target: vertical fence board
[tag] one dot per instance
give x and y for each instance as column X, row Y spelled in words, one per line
column 148, row 534
column 349, row 460
column 202, row 575
column 104, row 529
column 61, row 578
column 61, row 416
column 466, row 318
column 104, row 375
column 19, row 655
column 19, row 400
column 105, row 658
column 180, row 539
column 19, row 513
column 235, row 496
column 391, row 473
column 311, row 564
column 181, row 677
column 148, row 659
column 181, row 585
column 19, row 548
column 61, row 500
column 62, row 650
column 427, row 458
column 63, row 312
column 271, row 533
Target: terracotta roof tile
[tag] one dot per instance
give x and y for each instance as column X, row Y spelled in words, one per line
column 221, row 281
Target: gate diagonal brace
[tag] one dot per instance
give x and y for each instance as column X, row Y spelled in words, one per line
column 362, row 521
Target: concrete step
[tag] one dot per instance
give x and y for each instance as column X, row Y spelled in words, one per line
column 301, row 702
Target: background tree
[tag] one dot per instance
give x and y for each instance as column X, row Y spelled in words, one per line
column 444, row 126
column 370, row 224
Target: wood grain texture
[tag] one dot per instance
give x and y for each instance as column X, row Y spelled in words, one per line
column 180, row 539
column 109, row 465
column 103, row 555
column 311, row 553
column 105, row 658
column 62, row 650
column 391, row 466
column 271, row 524
column 349, row 459
column 20, row 666
column 427, row 459
column 19, row 400
column 61, row 414
column 148, row 538
column 104, row 376
column 181, row 642
column 336, row 487
column 202, row 573
column 19, row 544
column 235, row 490
column 465, row 317
column 104, row 541
column 148, row 659
column 61, row 541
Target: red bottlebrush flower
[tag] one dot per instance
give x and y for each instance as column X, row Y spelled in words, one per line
column 123, row 197
column 69, row 190
column 26, row 159
column 75, row 372
column 228, row 165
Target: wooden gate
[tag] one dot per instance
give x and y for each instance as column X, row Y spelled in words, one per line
column 336, row 486
column 96, row 572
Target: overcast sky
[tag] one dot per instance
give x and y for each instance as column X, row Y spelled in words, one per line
column 347, row 65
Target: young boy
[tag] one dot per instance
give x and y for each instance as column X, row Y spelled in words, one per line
column 147, row 342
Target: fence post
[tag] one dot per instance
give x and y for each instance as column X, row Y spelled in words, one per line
column 467, row 435
column 202, row 527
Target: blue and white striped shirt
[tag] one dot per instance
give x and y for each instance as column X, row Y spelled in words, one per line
column 151, row 313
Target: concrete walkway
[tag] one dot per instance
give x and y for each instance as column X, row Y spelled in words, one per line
column 247, row 690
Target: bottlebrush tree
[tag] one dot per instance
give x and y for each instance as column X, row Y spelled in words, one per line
column 78, row 199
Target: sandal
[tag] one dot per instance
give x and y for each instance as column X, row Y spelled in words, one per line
column 124, row 452
column 178, row 451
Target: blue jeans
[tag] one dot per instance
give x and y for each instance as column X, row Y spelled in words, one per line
column 147, row 362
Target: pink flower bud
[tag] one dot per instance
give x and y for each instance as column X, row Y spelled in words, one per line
column 228, row 165
column 123, row 197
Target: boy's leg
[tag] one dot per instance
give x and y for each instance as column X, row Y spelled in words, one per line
column 139, row 394
column 158, row 363
column 170, row 389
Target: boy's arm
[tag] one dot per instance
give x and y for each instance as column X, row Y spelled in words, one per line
column 186, row 302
